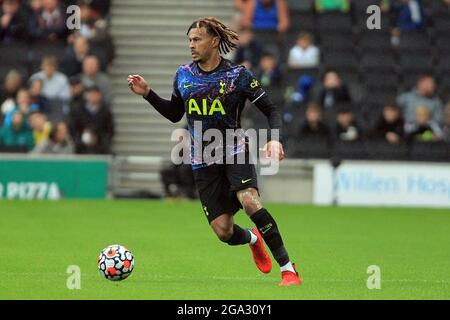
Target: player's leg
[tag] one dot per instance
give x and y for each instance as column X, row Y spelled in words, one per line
column 219, row 205
column 268, row 228
column 229, row 232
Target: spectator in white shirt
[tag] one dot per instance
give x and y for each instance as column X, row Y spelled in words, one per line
column 55, row 88
column 55, row 83
column 304, row 54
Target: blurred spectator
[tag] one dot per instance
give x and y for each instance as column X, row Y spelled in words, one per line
column 73, row 61
column 55, row 85
column 92, row 76
column 408, row 14
column 313, row 126
column 13, row 83
column 390, row 126
column 77, row 90
column 249, row 50
column 58, row 142
column 17, row 135
column 36, row 96
column 266, row 15
column 95, row 29
column 100, row 7
column 446, row 127
column 304, row 54
column 332, row 91
column 41, row 127
column 13, row 25
column 424, row 129
column 424, row 94
column 268, row 72
column 240, row 7
column 92, row 125
column 346, row 128
column 301, row 92
column 23, row 105
column 48, row 20
column 332, row 5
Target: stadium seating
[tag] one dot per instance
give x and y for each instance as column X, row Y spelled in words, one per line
column 375, row 40
column 366, row 60
column 311, row 148
column 430, row 151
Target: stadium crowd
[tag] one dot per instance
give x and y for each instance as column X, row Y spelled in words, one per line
column 55, row 95
column 347, row 91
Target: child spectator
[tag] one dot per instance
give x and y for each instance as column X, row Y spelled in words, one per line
column 333, row 91
column 313, row 126
column 304, row 54
column 40, row 126
column 346, row 128
column 424, row 129
column 390, row 127
column 269, row 72
column 58, row 142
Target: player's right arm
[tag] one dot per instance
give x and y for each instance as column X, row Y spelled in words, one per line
column 172, row 109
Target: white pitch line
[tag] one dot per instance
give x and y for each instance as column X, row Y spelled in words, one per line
column 157, row 277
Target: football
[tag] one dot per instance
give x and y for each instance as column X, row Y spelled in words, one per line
column 115, row 262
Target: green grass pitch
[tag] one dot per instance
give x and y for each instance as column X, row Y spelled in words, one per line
column 178, row 257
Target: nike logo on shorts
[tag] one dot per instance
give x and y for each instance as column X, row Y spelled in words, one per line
column 245, row 181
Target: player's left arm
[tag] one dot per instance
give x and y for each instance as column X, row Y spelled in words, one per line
column 259, row 97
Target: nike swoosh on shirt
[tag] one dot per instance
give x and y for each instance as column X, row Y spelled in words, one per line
column 187, row 86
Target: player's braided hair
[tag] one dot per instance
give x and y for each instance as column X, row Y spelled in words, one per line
column 215, row 27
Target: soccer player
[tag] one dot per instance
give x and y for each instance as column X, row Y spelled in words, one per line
column 213, row 90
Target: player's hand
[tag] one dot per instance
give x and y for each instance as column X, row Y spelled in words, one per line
column 138, row 85
column 274, row 149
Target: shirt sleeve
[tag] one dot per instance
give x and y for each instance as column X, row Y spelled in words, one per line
column 172, row 109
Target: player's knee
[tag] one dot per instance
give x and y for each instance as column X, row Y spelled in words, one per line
column 250, row 207
column 223, row 233
column 250, row 200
